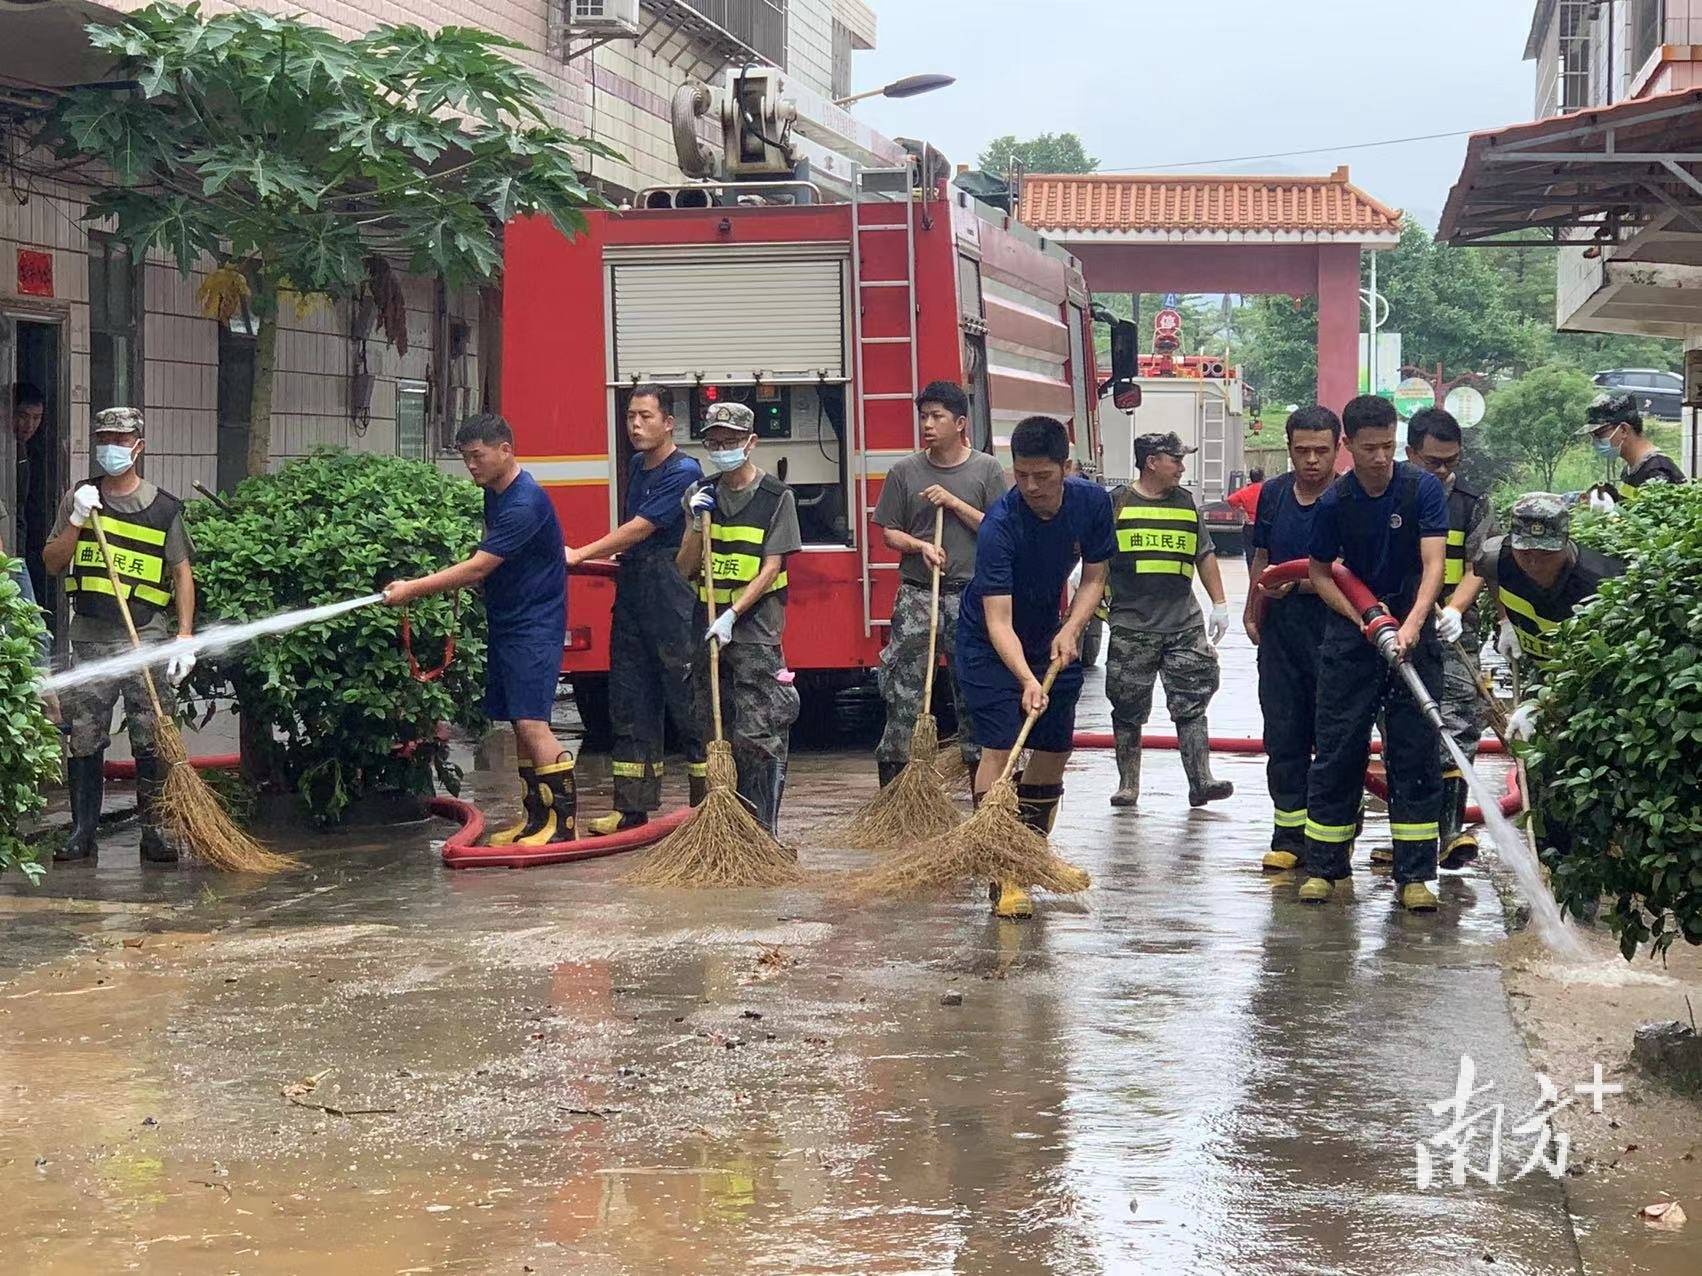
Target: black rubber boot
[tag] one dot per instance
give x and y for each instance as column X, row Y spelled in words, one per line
column 559, row 794
column 85, row 785
column 1037, row 805
column 1128, row 770
column 888, row 770
column 697, row 788
column 1459, row 845
column 761, row 785
column 1195, row 745
column 150, row 787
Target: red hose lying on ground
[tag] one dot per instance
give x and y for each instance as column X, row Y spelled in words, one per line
column 460, row 852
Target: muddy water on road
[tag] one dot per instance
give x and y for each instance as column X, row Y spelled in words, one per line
column 544, row 1070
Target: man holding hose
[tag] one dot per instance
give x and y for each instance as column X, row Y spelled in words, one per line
column 1008, row 629
column 151, row 554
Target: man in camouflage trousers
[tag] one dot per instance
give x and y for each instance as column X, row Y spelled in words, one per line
column 948, row 475
column 1156, row 626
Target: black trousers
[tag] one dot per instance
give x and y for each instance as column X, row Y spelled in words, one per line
column 1288, row 690
column 1355, row 685
column 651, row 644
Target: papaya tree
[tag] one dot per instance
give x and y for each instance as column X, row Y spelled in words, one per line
column 302, row 163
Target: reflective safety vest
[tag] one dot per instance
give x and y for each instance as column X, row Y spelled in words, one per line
column 1156, row 540
column 736, row 545
column 138, row 554
column 1462, row 516
column 1536, row 612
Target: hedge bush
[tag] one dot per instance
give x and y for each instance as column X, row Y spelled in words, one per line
column 343, row 714
column 1621, row 737
column 29, row 743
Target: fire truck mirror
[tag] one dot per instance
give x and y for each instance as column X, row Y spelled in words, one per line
column 1126, row 395
column 1125, row 351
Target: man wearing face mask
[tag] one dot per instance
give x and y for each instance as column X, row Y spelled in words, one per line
column 1616, row 427
column 152, row 553
column 753, row 527
column 1434, row 444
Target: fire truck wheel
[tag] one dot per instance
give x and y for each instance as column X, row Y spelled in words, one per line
column 591, row 699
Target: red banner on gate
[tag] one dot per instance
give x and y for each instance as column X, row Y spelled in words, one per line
column 35, row 272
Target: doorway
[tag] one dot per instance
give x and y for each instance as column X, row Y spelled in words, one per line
column 43, row 454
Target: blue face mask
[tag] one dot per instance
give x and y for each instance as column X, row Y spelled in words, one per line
column 1605, row 448
column 727, row 459
column 113, row 458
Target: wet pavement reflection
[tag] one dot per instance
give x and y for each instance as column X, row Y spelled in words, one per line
column 382, row 1066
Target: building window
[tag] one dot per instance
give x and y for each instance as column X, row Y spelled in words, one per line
column 1575, row 56
column 758, row 24
column 115, row 325
column 411, row 420
column 1648, row 19
column 841, row 60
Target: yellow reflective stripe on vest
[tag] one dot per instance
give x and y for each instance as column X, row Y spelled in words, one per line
column 1133, row 540
column 735, row 566
column 1159, row 513
column 101, row 585
column 1162, row 567
column 724, row 595
column 131, row 531
column 743, row 535
column 1454, row 570
column 1533, row 628
column 128, row 562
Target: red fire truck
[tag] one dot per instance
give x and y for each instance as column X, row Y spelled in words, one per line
column 826, row 318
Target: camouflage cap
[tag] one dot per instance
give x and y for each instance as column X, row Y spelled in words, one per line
column 1160, row 445
column 118, row 420
column 1610, row 408
column 1540, row 520
column 729, row 416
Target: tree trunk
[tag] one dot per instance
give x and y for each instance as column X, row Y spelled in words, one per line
column 265, row 365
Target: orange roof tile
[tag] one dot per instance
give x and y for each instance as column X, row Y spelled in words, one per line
column 1182, row 203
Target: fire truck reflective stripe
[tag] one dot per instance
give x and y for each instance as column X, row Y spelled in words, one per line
column 1330, row 832
column 1162, row 567
column 1156, row 513
column 1414, row 832
column 131, row 531
column 99, row 585
column 747, row 535
column 1135, row 540
column 592, row 469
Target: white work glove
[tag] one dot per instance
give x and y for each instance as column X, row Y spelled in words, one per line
column 84, row 501
column 179, row 667
column 1522, row 725
column 1218, row 625
column 1507, row 642
column 722, row 630
column 703, row 502
column 1450, row 625
column 1602, row 503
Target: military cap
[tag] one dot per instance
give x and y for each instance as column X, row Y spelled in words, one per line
column 118, row 420
column 1148, row 445
column 1540, row 520
column 1610, row 408
column 729, row 416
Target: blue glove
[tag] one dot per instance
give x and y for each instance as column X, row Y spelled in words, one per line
column 703, row 502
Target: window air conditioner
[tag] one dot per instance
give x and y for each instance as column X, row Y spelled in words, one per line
column 603, row 17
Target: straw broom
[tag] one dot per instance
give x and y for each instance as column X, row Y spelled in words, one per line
column 722, row 844
column 191, row 811
column 914, row 805
column 991, row 845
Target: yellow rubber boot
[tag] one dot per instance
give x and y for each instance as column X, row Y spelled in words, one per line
column 1280, row 861
column 1416, row 897
column 1316, row 890
column 1010, row 901
column 615, row 822
column 507, row 836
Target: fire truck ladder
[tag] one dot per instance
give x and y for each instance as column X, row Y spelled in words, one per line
column 880, row 186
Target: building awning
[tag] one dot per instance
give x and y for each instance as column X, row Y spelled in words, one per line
column 1200, row 208
column 1606, row 172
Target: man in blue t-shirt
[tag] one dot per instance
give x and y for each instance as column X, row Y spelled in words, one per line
column 1291, row 629
column 1387, row 522
column 651, row 642
column 1008, row 628
column 520, row 565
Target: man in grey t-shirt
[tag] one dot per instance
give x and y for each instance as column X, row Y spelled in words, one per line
column 952, row 478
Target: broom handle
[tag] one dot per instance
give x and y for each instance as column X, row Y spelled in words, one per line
column 714, row 646
column 933, row 618
column 1052, row 673
column 118, row 592
column 1497, row 715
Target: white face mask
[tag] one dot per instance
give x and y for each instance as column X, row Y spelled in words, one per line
column 114, row 458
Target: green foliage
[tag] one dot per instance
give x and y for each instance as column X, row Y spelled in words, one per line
column 1046, row 153
column 1528, row 284
column 338, row 695
column 1621, row 740
column 271, row 141
column 1280, row 354
column 1533, row 423
column 29, row 744
column 1201, row 323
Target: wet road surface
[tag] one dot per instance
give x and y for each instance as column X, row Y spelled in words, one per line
column 379, row 1065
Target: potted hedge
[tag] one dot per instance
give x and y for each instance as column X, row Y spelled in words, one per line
column 29, row 743
column 331, row 713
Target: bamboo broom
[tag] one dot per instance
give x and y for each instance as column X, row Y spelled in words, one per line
column 191, row 810
column 722, row 843
column 992, row 845
column 914, row 805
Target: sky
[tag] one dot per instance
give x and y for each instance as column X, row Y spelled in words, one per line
column 1147, row 83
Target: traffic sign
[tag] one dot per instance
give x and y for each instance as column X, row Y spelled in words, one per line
column 1465, row 404
column 1413, row 395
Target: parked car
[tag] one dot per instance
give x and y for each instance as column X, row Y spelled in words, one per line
column 1659, row 393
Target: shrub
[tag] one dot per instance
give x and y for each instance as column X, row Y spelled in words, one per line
column 331, row 709
column 29, row 744
column 1621, row 745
